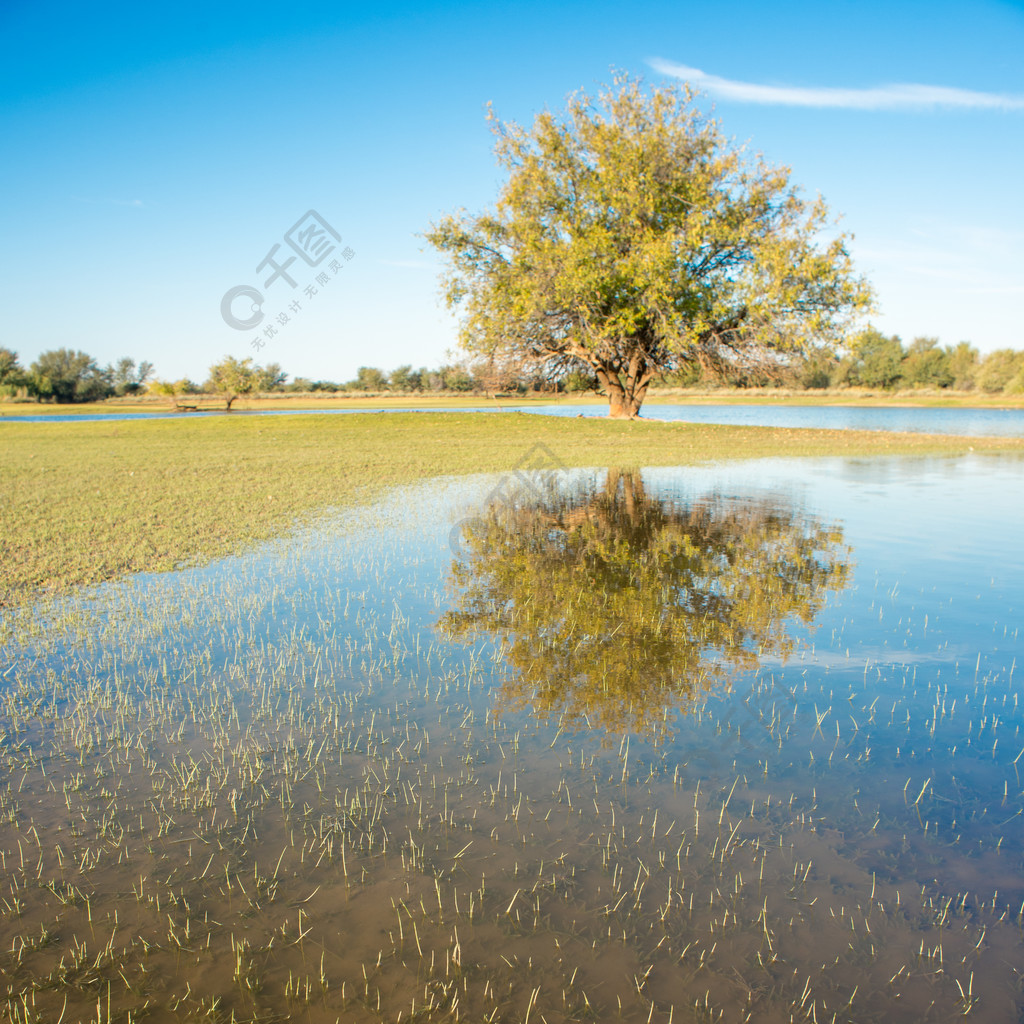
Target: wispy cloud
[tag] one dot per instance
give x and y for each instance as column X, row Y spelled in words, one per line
column 110, row 202
column 906, row 96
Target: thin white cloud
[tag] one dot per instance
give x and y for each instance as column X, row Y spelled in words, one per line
column 110, row 202
column 883, row 97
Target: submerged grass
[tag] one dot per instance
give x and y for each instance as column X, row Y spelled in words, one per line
column 91, row 501
column 275, row 793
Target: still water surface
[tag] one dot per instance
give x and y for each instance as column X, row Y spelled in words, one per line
column 729, row 743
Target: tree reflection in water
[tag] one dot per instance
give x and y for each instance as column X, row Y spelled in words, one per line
column 617, row 609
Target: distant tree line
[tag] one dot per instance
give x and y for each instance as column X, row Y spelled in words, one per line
column 874, row 360
column 237, row 377
column 62, row 375
column 233, row 378
column 871, row 360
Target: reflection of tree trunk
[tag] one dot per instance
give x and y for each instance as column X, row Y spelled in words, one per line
column 601, row 508
column 632, row 490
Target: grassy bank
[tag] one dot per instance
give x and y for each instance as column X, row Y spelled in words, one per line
column 91, row 501
column 923, row 398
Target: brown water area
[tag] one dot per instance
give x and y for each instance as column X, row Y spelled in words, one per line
column 600, row 766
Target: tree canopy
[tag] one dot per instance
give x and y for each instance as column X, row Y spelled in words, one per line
column 233, row 378
column 127, row 378
column 617, row 609
column 69, row 376
column 632, row 238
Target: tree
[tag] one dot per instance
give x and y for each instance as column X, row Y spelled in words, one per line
column 815, row 368
column 874, row 360
column 456, row 378
column 998, row 369
column 963, row 362
column 173, row 388
column 405, row 378
column 270, row 377
column 432, row 380
column 10, row 368
column 12, row 376
column 370, row 378
column 1015, row 385
column 307, row 385
column 67, row 376
column 493, row 374
column 233, row 378
column 632, row 238
column 580, row 380
column 926, row 364
column 615, row 608
column 127, row 378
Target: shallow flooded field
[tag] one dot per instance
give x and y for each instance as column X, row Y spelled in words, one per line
column 740, row 743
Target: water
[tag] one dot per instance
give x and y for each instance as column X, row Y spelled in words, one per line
column 736, row 742
column 962, row 422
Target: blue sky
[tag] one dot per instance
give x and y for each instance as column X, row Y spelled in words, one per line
column 155, row 155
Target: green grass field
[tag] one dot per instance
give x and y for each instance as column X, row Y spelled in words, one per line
column 923, row 398
column 91, row 501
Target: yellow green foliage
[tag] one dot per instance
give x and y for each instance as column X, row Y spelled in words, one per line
column 615, row 607
column 633, row 238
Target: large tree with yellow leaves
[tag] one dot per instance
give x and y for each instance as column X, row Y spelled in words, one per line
column 631, row 238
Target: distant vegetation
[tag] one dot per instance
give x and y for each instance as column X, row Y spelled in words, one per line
column 876, row 361
column 61, row 375
column 871, row 360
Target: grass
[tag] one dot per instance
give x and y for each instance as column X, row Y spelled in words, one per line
column 92, row 501
column 866, row 397
column 281, row 794
column 284, row 796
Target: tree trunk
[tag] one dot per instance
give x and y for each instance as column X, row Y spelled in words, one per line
column 624, row 401
column 621, row 407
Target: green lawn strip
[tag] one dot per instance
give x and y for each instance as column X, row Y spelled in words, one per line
column 91, row 501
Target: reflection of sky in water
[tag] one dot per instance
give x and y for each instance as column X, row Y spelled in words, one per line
column 937, row 585
column 973, row 422
column 929, row 537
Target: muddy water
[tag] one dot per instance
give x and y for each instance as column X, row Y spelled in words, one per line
column 725, row 744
